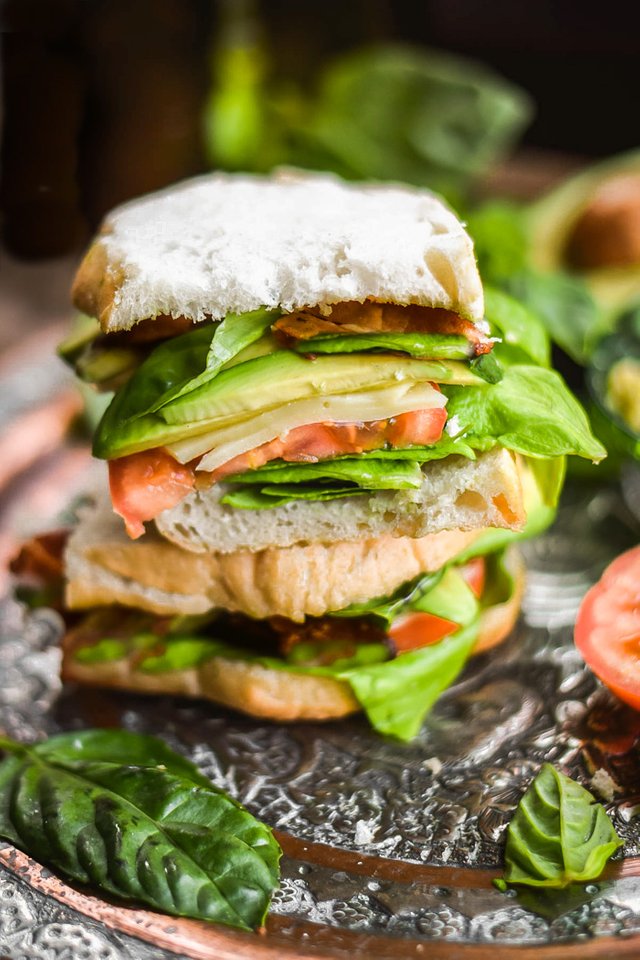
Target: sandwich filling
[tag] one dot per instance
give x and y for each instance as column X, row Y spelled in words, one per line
column 390, row 656
column 328, row 403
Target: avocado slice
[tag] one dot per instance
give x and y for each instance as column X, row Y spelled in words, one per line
column 262, row 383
column 278, row 378
column 551, row 223
column 84, row 331
column 613, row 379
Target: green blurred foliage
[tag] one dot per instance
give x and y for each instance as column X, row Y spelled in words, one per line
column 386, row 113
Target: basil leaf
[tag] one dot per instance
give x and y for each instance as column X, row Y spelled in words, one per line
column 369, row 474
column 427, row 345
column 530, row 411
column 255, row 498
column 183, row 363
column 167, row 368
column 558, row 835
column 437, row 451
column 487, row 367
column 125, row 813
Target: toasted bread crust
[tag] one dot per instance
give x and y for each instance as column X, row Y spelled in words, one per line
column 270, row 693
column 198, row 250
column 104, row 567
column 96, row 284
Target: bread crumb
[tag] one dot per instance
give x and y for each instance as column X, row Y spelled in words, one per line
column 603, row 785
column 433, row 764
column 364, row 832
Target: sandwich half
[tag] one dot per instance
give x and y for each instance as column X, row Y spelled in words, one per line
column 320, row 445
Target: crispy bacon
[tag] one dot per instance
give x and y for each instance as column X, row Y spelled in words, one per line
column 333, row 638
column 41, row 558
column 152, row 329
column 371, row 317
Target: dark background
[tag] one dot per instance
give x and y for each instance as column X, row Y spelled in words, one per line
column 103, row 98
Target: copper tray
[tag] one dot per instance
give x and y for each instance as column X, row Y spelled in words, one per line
column 390, row 849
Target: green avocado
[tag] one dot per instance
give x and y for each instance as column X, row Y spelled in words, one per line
column 551, row 223
column 260, row 384
column 270, row 381
column 84, row 330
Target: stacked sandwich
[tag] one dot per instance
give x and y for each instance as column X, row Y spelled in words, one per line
column 320, row 449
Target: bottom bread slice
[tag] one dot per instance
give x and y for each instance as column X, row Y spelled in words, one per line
column 103, row 566
column 261, row 691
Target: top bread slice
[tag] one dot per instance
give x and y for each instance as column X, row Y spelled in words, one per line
column 224, row 243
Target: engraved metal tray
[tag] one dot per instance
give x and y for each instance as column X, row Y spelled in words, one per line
column 390, row 849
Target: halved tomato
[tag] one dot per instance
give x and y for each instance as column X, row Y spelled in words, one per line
column 607, row 632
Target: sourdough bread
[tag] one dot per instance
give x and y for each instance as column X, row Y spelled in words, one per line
column 456, row 494
column 226, row 243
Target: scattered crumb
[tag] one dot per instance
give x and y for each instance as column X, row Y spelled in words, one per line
column 364, row 832
column 603, row 785
column 433, row 764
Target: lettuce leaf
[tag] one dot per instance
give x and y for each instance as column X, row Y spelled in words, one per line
column 444, row 594
column 428, row 345
column 396, row 696
column 530, row 411
column 523, row 336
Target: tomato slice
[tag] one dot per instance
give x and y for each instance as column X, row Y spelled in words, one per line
column 144, row 484
column 474, row 574
column 607, row 632
column 415, row 630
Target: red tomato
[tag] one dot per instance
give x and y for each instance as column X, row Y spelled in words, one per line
column 473, row 573
column 416, row 630
column 144, row 484
column 418, row 427
column 607, row 630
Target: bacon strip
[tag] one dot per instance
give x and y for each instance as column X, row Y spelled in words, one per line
column 371, row 317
